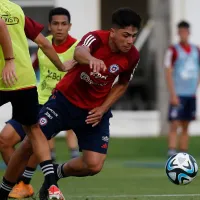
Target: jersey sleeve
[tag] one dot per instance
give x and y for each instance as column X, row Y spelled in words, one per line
column 170, row 57
column 32, row 28
column 127, row 75
column 91, row 40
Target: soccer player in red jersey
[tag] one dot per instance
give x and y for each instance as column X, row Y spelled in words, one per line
column 83, row 98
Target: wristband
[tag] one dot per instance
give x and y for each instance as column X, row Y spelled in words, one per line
column 10, row 58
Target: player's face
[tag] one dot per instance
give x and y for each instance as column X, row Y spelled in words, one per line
column 59, row 27
column 183, row 34
column 124, row 38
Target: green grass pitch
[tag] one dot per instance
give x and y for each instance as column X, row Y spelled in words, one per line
column 134, row 170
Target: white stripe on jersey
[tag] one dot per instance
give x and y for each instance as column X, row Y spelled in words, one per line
column 89, row 40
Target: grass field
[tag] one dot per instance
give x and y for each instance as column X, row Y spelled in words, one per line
column 134, row 170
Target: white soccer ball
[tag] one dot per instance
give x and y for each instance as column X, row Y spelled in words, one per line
column 181, row 168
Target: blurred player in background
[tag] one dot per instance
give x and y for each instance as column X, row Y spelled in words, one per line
column 23, row 94
column 182, row 64
column 13, row 133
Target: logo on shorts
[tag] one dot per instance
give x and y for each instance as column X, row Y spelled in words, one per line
column 43, row 121
column 113, row 68
column 174, row 113
column 105, row 138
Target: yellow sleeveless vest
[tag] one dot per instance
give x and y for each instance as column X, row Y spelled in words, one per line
column 14, row 17
column 49, row 74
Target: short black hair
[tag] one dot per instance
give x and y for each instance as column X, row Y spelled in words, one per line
column 183, row 24
column 124, row 17
column 59, row 11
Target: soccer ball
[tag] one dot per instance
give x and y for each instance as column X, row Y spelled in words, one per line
column 181, row 168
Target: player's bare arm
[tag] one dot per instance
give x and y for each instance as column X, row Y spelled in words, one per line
column 82, row 55
column 49, row 51
column 170, row 85
column 8, row 74
column 116, row 92
column 169, row 77
column 69, row 64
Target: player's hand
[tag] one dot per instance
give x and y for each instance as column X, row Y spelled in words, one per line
column 69, row 65
column 9, row 73
column 175, row 100
column 97, row 65
column 95, row 116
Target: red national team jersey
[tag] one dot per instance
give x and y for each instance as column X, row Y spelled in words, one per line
column 32, row 28
column 86, row 89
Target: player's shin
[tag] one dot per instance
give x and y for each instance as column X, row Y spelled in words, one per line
column 15, row 168
column 41, row 149
column 77, row 167
column 5, row 188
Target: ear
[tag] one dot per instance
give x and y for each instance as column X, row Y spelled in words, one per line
column 112, row 32
column 70, row 25
column 49, row 27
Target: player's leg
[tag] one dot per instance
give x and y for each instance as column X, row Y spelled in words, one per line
column 6, row 185
column 52, row 149
column 11, row 135
column 39, row 142
column 8, row 139
column 15, row 167
column 90, row 163
column 172, row 138
column 23, row 188
column 174, row 116
column 72, row 143
column 93, row 141
column 184, row 136
column 25, row 106
column 189, row 115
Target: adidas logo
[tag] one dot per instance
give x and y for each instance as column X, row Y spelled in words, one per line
column 104, row 146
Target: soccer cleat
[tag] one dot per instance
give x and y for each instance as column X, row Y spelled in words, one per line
column 55, row 193
column 21, row 190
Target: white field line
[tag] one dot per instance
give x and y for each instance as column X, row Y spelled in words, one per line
column 135, row 196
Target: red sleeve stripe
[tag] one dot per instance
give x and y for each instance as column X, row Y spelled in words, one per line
column 89, row 40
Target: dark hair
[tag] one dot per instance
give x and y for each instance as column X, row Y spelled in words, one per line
column 183, row 24
column 59, row 11
column 124, row 17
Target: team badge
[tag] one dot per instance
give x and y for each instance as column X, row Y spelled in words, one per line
column 113, row 68
column 43, row 121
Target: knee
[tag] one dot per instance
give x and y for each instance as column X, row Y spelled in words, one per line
column 4, row 143
column 185, row 128
column 94, row 168
column 173, row 127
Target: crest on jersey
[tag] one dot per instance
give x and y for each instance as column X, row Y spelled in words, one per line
column 113, row 68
